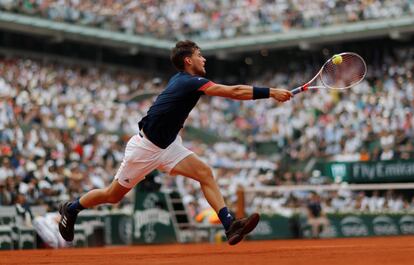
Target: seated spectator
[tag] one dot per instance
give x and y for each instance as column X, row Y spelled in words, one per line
column 5, row 196
column 316, row 216
column 47, row 228
column 24, row 214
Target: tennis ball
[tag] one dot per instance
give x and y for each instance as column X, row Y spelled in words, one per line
column 337, row 59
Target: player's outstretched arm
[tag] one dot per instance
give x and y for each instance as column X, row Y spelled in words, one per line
column 244, row 92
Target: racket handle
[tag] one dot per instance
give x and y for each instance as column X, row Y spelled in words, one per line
column 300, row 89
column 296, row 90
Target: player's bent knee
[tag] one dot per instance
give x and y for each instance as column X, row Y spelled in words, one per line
column 205, row 174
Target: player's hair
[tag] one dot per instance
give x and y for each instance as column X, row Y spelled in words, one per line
column 181, row 50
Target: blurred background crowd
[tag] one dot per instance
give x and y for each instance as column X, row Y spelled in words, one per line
column 177, row 19
column 63, row 128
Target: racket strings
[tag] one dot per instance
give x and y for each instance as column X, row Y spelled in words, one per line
column 343, row 75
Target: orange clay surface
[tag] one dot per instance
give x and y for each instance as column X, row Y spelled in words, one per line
column 355, row 251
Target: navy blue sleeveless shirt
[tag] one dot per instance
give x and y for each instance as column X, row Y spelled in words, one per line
column 167, row 115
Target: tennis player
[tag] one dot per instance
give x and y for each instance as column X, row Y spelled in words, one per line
column 158, row 145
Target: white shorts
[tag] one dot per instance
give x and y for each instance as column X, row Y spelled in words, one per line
column 142, row 157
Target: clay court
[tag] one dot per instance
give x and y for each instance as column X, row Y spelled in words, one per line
column 366, row 251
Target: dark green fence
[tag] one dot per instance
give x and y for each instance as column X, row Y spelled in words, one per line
column 341, row 225
column 152, row 220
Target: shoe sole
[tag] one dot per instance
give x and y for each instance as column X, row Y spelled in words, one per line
column 250, row 226
column 60, row 229
column 251, row 223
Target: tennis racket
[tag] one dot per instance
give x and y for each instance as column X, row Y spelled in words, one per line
column 346, row 74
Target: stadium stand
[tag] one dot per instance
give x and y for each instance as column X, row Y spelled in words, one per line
column 211, row 19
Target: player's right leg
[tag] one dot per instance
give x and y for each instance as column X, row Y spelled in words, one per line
column 193, row 167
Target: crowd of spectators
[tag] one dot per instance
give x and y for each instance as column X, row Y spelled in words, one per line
column 63, row 127
column 334, row 201
column 175, row 19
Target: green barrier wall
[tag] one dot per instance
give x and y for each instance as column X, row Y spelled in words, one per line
column 6, row 239
column 80, row 239
column 354, row 225
column 151, row 220
column 273, row 227
column 26, row 238
column 341, row 225
column 93, row 224
column 118, row 229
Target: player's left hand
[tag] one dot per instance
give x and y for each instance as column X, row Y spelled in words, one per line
column 280, row 94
